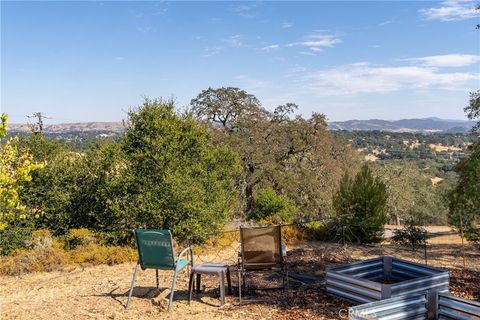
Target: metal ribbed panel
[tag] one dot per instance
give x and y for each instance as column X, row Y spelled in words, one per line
column 439, row 282
column 451, row 307
column 354, row 289
column 413, row 267
column 398, row 308
column 351, row 282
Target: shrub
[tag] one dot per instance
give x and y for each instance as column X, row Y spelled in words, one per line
column 472, row 234
column 269, row 204
column 29, row 260
column 176, row 178
column 410, row 235
column 316, row 230
column 94, row 254
column 117, row 238
column 360, row 204
column 41, row 239
column 74, row 189
column 293, row 235
column 15, row 236
column 16, row 167
column 45, row 252
column 78, row 237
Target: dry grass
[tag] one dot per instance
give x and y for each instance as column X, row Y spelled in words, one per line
column 53, row 258
column 436, row 180
column 99, row 292
column 371, row 157
column 47, row 253
column 91, row 281
column 442, row 148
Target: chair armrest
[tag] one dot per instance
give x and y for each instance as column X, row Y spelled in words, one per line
column 189, row 250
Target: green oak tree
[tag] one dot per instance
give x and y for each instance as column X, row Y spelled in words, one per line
column 295, row 156
column 175, row 177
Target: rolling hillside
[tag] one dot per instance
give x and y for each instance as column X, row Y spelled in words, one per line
column 404, row 125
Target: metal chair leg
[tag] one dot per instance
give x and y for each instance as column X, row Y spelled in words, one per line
column 190, row 286
column 131, row 286
column 239, row 286
column 156, row 273
column 172, row 291
column 286, row 277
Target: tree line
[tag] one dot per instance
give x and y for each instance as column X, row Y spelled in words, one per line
column 224, row 157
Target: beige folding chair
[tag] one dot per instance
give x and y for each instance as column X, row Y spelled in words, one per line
column 261, row 249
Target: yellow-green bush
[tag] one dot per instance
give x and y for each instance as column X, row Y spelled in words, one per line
column 29, row 260
column 80, row 237
column 293, row 235
column 94, row 254
column 42, row 239
column 315, row 230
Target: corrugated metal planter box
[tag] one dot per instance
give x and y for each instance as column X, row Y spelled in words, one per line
column 383, row 278
column 436, row 306
column 451, row 307
column 398, row 308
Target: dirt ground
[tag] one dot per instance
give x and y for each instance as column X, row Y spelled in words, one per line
column 100, row 292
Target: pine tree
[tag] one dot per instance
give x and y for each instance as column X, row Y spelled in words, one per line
column 361, row 204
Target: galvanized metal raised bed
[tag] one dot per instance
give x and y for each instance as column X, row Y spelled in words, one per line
column 426, row 306
column 398, row 308
column 383, row 278
column 451, row 307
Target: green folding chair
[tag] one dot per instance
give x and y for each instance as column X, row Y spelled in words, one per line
column 155, row 251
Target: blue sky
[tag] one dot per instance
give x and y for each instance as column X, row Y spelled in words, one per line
column 92, row 61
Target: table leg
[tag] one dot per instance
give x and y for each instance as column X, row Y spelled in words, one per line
column 229, row 281
column 199, row 280
column 222, row 287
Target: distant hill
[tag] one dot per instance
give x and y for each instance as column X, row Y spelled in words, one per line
column 70, row 127
column 404, row 125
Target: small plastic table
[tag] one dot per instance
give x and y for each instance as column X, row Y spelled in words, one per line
column 220, row 270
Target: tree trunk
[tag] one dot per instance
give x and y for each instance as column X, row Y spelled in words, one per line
column 398, row 219
column 249, row 184
column 248, row 198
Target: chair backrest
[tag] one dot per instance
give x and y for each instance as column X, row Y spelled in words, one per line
column 155, row 248
column 261, row 246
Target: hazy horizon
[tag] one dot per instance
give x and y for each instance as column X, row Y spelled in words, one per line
column 53, row 122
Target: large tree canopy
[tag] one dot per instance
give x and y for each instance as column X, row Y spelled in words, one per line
column 411, row 194
column 295, row 156
column 226, row 106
